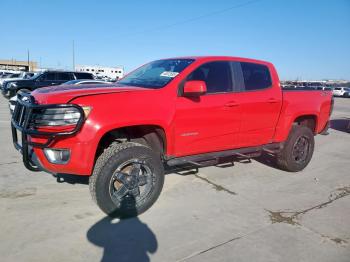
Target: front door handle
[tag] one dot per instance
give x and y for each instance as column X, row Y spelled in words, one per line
column 231, row 104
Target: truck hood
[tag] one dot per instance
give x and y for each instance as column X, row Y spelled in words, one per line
column 65, row 93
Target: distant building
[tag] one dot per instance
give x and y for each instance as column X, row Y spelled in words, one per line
column 16, row 65
column 102, row 71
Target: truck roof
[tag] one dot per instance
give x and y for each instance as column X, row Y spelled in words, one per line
column 243, row 59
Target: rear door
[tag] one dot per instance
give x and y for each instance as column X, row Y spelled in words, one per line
column 261, row 102
column 209, row 122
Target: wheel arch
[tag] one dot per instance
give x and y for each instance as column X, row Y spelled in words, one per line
column 153, row 136
column 309, row 121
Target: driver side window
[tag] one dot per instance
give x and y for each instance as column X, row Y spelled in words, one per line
column 48, row 77
column 216, row 75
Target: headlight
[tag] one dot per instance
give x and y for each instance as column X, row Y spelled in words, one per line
column 11, row 85
column 56, row 116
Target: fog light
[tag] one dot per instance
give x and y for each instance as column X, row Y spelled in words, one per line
column 57, row 156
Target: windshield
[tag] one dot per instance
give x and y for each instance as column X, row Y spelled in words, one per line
column 35, row 76
column 156, row 74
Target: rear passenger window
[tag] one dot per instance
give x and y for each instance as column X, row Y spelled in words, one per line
column 83, row 76
column 216, row 75
column 255, row 76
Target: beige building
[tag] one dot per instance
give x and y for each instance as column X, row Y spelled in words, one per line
column 18, row 65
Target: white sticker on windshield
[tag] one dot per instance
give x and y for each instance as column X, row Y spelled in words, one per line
column 169, row 74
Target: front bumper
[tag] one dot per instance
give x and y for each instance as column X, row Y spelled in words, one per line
column 21, row 124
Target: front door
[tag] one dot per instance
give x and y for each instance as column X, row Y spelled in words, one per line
column 209, row 122
column 47, row 79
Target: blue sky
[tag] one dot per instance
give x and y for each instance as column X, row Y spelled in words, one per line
column 304, row 39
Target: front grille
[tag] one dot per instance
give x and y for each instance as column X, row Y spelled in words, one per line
column 19, row 115
column 30, row 118
column 22, row 114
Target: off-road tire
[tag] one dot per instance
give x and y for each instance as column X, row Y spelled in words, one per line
column 114, row 156
column 285, row 159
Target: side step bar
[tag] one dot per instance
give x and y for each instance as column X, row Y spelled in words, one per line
column 202, row 160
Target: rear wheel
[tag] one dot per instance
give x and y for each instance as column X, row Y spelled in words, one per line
column 298, row 149
column 127, row 179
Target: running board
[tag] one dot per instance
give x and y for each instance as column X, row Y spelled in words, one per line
column 213, row 158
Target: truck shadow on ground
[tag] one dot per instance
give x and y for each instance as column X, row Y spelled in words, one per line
column 342, row 124
column 123, row 239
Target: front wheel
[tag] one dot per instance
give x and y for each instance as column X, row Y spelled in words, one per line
column 127, row 179
column 298, row 149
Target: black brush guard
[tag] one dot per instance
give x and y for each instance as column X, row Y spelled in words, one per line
column 22, row 121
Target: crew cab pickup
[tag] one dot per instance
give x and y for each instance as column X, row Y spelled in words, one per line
column 189, row 111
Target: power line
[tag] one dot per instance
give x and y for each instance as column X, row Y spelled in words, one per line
column 193, row 18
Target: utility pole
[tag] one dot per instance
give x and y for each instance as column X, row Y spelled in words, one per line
column 73, row 57
column 28, row 59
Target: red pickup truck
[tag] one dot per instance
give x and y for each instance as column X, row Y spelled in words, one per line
column 172, row 112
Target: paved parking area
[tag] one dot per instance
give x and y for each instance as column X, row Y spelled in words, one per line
column 245, row 212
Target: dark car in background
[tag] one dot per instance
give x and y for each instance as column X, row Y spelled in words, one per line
column 87, row 82
column 47, row 78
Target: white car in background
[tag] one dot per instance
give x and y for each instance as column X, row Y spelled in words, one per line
column 16, row 76
column 341, row 91
column 9, row 77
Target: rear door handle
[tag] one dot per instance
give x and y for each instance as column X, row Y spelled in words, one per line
column 231, row 104
column 272, row 100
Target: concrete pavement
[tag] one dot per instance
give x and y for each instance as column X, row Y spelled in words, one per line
column 245, row 212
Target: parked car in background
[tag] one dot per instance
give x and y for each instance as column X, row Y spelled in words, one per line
column 47, row 78
column 9, row 77
column 13, row 100
column 5, row 74
column 324, row 88
column 341, row 91
column 16, row 76
column 86, row 82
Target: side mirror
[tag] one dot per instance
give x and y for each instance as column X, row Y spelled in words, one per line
column 195, row 88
